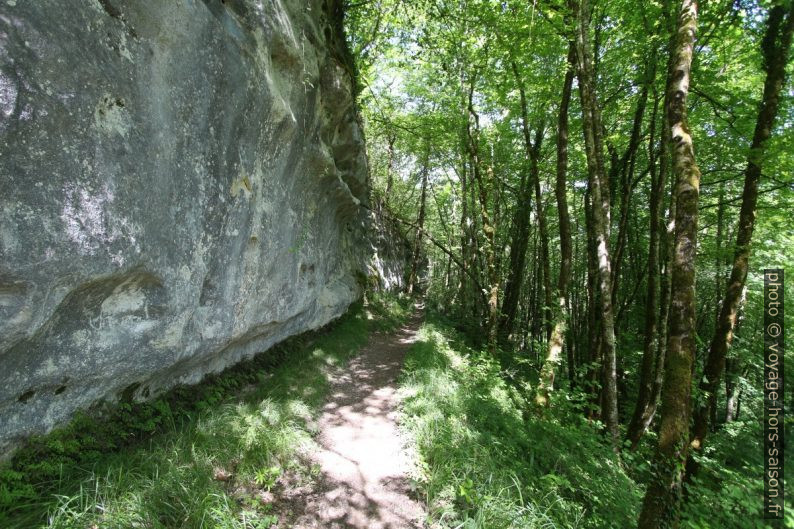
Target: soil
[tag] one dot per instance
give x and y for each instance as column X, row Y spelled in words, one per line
column 363, row 463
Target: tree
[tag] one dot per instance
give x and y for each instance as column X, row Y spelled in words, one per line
column 557, row 337
column 661, row 503
column 775, row 51
column 599, row 227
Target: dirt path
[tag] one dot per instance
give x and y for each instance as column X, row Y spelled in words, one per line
column 362, row 461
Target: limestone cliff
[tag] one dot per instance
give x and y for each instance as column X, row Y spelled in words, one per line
column 182, row 184
column 391, row 251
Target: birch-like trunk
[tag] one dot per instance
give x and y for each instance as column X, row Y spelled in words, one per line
column 660, row 508
column 599, row 189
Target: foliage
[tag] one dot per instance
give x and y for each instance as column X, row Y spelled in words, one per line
column 433, row 71
column 487, row 459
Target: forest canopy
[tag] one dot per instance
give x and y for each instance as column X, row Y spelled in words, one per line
column 592, row 190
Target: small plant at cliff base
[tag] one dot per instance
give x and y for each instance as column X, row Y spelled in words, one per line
column 267, row 477
column 197, row 457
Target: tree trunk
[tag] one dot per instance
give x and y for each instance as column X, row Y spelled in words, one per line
column 417, row 253
column 557, row 338
column 599, row 188
column 473, row 130
column 390, row 165
column 732, row 389
column 661, row 234
column 627, row 166
column 465, row 243
column 662, row 498
column 520, row 232
column 775, row 48
column 543, row 232
column 642, row 416
column 592, row 348
column 665, row 287
column 718, row 261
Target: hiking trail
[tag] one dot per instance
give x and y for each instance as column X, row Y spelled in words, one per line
column 362, row 460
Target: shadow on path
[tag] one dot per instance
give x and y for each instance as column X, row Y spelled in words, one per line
column 362, row 460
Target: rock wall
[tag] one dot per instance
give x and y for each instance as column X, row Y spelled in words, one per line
column 391, row 251
column 182, row 184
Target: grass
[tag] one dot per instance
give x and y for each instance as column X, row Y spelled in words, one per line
column 487, row 460
column 200, row 456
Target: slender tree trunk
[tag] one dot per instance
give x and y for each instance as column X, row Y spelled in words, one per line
column 660, row 507
column 665, row 288
column 627, row 173
column 390, row 164
column 577, row 304
column 417, row 253
column 557, row 338
column 593, row 342
column 775, row 48
column 733, row 390
column 642, row 418
column 718, row 261
column 661, row 235
column 465, row 242
column 467, row 301
column 487, row 226
column 599, row 187
column 543, row 232
column 520, row 232
column 665, row 229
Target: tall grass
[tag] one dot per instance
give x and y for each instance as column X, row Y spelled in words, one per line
column 486, row 460
column 199, row 457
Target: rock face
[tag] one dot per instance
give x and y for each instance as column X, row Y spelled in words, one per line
column 391, row 252
column 182, row 185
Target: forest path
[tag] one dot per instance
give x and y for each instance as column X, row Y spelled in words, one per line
column 363, row 463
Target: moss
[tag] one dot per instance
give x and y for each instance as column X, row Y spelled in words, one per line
column 339, row 43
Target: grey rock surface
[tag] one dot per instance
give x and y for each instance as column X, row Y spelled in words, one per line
column 181, row 187
column 391, row 252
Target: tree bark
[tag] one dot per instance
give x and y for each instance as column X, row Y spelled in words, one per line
column 775, row 47
column 661, row 234
column 520, row 232
column 593, row 347
column 390, row 164
column 599, row 188
column 627, row 166
column 718, row 260
column 642, row 416
column 467, row 302
column 473, row 131
column 543, row 233
column 417, row 252
column 662, row 498
column 557, row 337
column 733, row 392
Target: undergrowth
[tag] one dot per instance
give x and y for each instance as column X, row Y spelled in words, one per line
column 486, row 460
column 199, row 456
column 727, row 492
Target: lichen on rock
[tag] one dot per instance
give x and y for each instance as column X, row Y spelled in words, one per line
column 183, row 186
